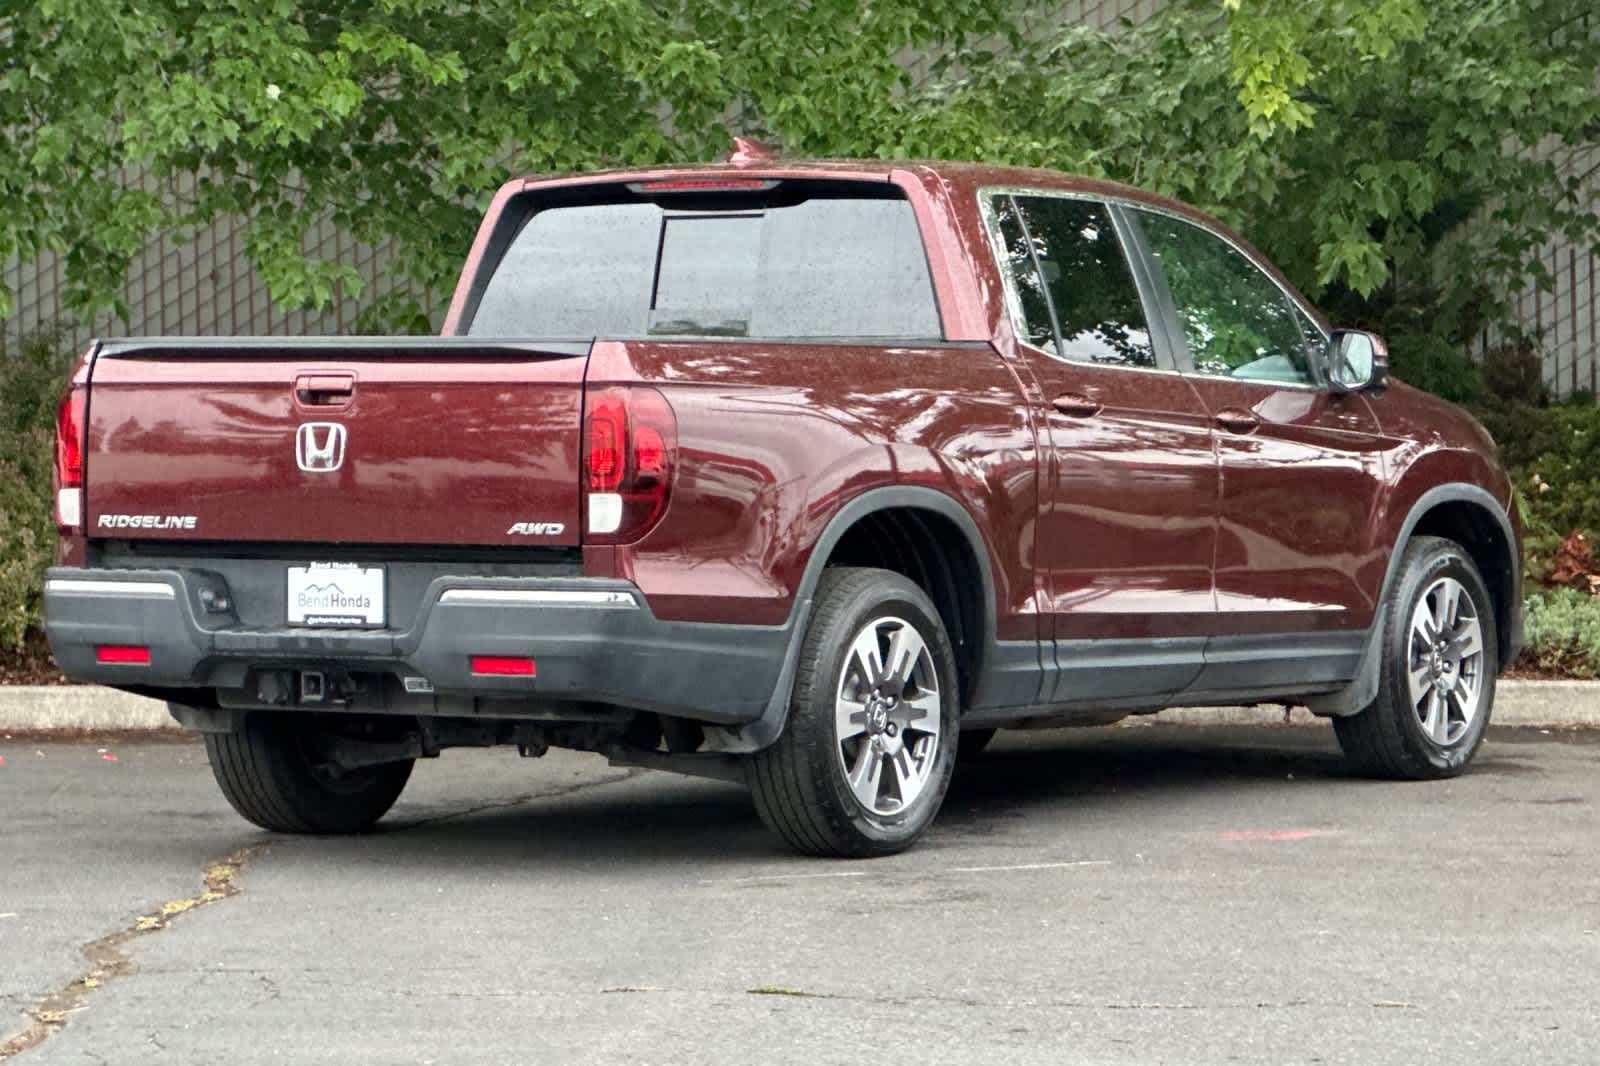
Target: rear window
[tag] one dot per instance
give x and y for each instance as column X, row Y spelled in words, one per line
column 824, row 267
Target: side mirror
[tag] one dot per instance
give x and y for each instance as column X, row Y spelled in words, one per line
column 1356, row 360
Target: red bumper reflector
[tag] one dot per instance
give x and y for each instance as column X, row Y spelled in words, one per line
column 131, row 654
column 504, row 665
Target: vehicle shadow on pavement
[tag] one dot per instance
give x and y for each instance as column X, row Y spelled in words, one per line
column 1091, row 773
column 1053, row 776
column 651, row 816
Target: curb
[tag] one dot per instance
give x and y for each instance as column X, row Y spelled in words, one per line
column 24, row 708
column 1541, row 704
column 1517, row 704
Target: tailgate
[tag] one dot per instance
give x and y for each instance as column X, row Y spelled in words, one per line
column 364, row 440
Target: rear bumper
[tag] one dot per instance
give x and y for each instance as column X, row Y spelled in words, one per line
column 593, row 641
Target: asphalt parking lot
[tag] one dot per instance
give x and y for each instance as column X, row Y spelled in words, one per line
column 1137, row 895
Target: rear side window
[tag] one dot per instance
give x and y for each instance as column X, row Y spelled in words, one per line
column 824, row 267
column 1236, row 320
column 1027, row 288
column 1078, row 273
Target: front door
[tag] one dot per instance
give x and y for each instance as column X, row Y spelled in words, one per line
column 1301, row 466
column 1126, row 538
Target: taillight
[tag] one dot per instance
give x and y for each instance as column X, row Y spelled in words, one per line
column 70, row 430
column 607, row 436
column 630, row 441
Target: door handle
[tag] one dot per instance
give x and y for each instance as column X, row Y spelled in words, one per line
column 325, row 390
column 1236, row 421
column 1076, row 404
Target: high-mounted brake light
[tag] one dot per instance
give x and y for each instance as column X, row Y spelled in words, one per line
column 704, row 185
column 70, row 432
column 630, row 443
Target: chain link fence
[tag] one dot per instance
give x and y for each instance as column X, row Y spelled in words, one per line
column 198, row 283
column 1564, row 322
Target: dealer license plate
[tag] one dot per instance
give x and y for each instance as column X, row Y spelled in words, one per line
column 336, row 594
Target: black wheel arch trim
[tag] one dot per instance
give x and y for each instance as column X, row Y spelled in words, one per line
column 1353, row 698
column 764, row 730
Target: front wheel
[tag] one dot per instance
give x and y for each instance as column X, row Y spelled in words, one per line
column 865, row 758
column 272, row 774
column 1436, row 684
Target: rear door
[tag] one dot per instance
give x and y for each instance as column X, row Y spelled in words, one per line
column 1127, row 536
column 1301, row 467
column 363, row 441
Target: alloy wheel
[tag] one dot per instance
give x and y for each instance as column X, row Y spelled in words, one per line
column 887, row 713
column 1444, row 668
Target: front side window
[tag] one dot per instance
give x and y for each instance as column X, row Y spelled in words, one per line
column 1238, row 323
column 824, row 266
column 1079, row 275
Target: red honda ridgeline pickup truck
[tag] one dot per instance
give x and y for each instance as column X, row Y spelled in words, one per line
column 808, row 475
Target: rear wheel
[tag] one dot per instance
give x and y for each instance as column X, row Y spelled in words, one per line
column 272, row 774
column 865, row 758
column 1436, row 685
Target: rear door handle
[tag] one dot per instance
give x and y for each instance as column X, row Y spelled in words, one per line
column 1236, row 421
column 1076, row 404
column 325, row 390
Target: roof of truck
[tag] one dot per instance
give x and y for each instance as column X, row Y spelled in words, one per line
column 964, row 174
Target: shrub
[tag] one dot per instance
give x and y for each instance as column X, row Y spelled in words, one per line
column 1514, row 374
column 1553, row 456
column 1573, row 565
column 1430, row 361
column 31, row 380
column 1561, row 631
column 1523, row 431
column 1569, row 464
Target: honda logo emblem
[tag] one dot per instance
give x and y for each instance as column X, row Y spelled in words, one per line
column 319, row 447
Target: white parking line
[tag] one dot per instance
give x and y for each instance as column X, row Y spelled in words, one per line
column 757, row 878
column 1028, row 866
column 780, row 877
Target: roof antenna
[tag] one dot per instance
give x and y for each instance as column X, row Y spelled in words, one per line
column 748, row 150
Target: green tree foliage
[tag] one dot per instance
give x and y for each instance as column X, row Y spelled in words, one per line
column 397, row 118
column 31, row 380
column 1353, row 139
column 1280, row 49
column 1380, row 152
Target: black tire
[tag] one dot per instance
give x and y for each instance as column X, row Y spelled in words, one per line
column 800, row 784
column 1387, row 739
column 268, row 774
column 973, row 743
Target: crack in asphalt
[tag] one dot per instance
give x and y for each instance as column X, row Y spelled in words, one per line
column 892, row 1000
column 108, row 956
